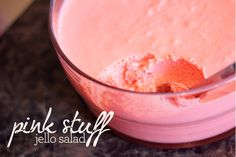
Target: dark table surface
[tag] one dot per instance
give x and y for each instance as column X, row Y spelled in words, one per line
column 32, row 80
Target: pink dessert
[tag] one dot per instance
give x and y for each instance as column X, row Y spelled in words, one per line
column 112, row 30
column 150, row 74
column 110, row 41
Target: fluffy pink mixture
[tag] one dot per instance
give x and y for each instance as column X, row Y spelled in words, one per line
column 147, row 73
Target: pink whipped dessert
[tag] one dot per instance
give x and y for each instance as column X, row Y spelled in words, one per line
column 126, row 43
column 150, row 74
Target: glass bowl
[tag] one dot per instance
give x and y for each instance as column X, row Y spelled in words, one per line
column 169, row 119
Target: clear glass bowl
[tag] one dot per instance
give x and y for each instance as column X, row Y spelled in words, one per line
column 166, row 118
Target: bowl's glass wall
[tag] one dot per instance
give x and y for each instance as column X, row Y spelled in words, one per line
column 151, row 117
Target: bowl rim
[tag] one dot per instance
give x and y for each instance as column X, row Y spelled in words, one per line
column 194, row 91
